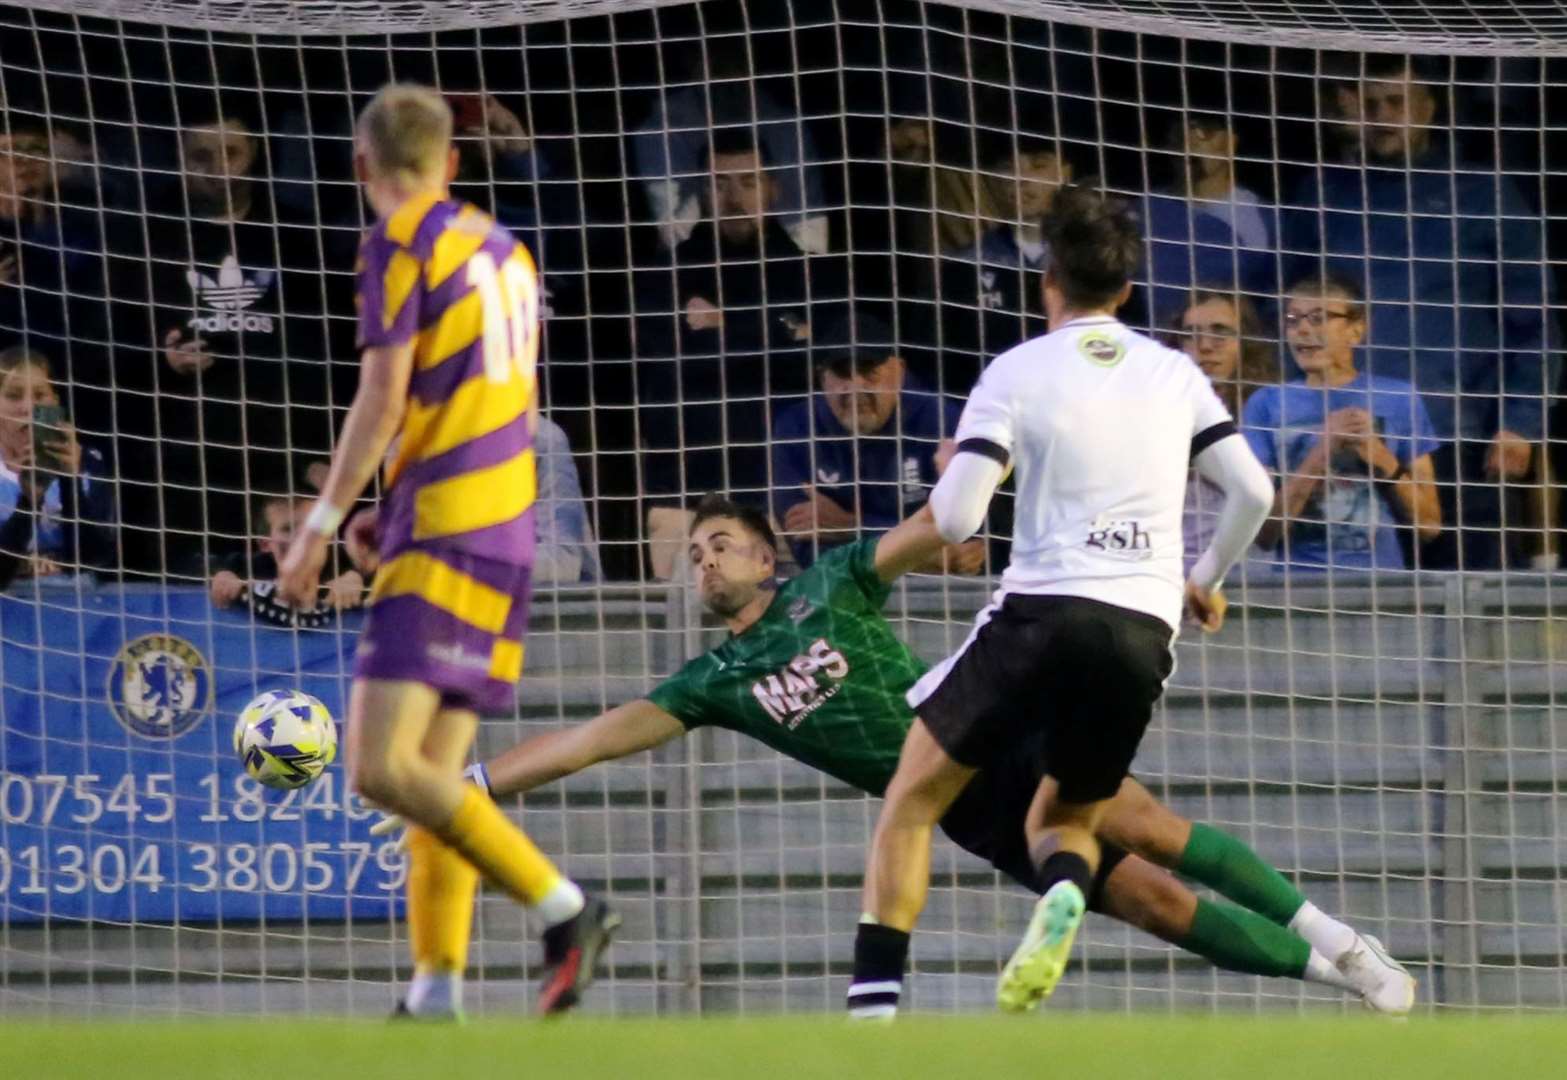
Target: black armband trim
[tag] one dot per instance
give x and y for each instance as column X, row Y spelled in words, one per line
column 985, row 448
column 1208, row 436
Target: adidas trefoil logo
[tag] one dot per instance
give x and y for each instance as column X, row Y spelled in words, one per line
column 230, row 293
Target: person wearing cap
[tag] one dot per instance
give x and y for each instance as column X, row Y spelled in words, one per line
column 860, row 455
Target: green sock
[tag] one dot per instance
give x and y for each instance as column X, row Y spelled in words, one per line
column 1239, row 940
column 1233, row 870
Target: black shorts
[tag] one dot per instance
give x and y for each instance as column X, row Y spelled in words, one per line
column 1079, row 675
column 987, row 820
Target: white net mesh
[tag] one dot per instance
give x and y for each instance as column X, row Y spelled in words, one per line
column 178, row 220
column 1513, row 28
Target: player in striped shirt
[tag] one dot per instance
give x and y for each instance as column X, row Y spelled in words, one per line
column 449, row 326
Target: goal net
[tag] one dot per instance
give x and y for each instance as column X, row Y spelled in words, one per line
column 1352, row 215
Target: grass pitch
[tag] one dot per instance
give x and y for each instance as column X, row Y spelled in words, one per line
column 983, row 1048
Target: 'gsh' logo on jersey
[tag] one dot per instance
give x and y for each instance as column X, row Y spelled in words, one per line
column 1127, row 539
column 797, row 691
column 229, row 294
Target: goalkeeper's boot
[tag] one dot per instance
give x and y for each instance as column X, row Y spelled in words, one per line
column 1384, row 984
column 571, row 955
column 1039, row 962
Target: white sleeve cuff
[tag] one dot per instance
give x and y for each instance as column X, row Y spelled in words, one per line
column 963, row 495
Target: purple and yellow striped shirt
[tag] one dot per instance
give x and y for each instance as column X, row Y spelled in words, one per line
column 461, row 475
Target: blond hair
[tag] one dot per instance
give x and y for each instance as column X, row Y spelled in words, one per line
column 406, row 132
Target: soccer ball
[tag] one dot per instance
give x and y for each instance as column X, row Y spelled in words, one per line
column 285, row 738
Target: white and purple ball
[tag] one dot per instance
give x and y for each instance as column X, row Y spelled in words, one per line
column 285, row 738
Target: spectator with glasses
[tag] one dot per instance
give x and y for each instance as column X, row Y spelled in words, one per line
column 1351, row 451
column 1460, row 298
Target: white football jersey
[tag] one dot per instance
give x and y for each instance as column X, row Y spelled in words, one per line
column 1101, row 423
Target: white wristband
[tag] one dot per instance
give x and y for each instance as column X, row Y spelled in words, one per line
column 324, row 518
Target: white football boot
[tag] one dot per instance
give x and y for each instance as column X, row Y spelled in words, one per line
column 1383, row 983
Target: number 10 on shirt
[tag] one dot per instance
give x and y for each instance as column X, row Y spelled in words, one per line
column 509, row 295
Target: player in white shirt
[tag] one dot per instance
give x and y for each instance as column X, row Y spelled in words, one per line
column 1073, row 652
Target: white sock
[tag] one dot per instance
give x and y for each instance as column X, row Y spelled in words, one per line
column 561, row 904
column 875, row 1001
column 436, row 992
column 1326, row 934
column 1319, row 969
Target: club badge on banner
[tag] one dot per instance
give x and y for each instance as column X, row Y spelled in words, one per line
column 121, row 797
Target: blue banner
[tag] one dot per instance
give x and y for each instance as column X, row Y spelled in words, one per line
column 121, row 797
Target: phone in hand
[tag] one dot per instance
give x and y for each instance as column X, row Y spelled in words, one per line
column 46, row 433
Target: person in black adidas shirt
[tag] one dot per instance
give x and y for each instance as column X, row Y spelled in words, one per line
column 725, row 331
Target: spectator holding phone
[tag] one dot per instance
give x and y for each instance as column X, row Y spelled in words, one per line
column 1352, row 451
column 56, row 494
column 499, row 165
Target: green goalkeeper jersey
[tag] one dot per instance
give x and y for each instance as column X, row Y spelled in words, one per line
column 819, row 677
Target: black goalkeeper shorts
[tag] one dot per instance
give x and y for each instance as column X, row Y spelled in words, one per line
column 1080, row 675
column 987, row 820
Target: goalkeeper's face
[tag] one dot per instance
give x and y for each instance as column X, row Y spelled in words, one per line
column 730, row 563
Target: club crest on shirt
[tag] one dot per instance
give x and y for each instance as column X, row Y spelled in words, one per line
column 913, row 483
column 1101, row 349
column 160, row 686
column 991, row 297
column 800, row 610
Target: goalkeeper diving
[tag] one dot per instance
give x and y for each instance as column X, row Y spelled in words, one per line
column 813, row 669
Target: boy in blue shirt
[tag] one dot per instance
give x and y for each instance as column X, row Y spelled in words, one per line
column 1352, row 451
column 859, row 456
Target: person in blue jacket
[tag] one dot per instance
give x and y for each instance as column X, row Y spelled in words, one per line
column 860, row 455
column 720, row 91
column 1207, row 229
column 1451, row 256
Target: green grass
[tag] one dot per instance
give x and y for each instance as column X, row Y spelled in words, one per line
column 1047, row 1046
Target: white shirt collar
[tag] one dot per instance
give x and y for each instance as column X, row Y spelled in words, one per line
column 1086, row 320
column 1033, row 251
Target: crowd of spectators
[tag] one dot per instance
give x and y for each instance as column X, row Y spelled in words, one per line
column 181, row 336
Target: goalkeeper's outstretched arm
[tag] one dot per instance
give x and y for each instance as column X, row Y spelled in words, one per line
column 908, row 546
column 622, row 731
